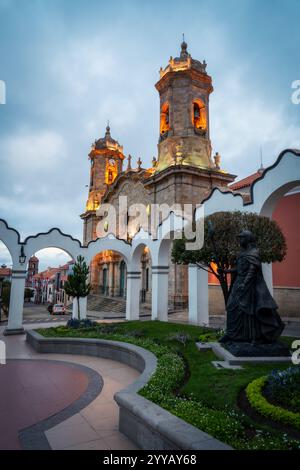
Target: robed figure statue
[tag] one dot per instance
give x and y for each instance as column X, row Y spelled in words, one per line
column 251, row 310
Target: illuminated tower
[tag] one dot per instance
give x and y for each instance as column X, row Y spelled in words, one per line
column 33, row 268
column 184, row 88
column 106, row 159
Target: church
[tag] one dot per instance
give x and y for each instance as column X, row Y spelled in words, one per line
column 183, row 172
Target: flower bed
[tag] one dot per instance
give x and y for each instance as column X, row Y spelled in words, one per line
column 254, row 392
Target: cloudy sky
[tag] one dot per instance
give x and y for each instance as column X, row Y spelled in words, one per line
column 69, row 65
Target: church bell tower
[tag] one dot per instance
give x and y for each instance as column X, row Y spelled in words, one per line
column 184, row 88
column 106, row 157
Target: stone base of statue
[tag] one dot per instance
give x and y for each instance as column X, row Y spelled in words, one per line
column 245, row 349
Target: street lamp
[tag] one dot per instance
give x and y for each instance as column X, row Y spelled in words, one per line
column 22, row 257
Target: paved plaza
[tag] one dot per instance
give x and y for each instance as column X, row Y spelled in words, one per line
column 35, row 387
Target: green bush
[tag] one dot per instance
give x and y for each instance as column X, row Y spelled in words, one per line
column 283, row 387
column 211, row 336
column 260, row 403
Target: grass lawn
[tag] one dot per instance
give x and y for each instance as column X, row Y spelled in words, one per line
column 201, row 394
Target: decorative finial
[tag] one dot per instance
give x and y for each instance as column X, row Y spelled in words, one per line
column 107, row 133
column 139, row 163
column 154, row 162
column 217, row 159
column 184, row 53
column 129, row 163
column 261, row 168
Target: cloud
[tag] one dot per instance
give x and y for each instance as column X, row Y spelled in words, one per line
column 32, row 151
column 5, row 257
column 51, row 257
column 243, row 120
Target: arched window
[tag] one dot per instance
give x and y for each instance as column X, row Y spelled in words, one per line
column 164, row 119
column 199, row 115
column 111, row 171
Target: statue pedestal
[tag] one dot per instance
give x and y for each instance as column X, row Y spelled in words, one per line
column 279, row 355
column 244, row 349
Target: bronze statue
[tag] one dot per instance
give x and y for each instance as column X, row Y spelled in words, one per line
column 251, row 310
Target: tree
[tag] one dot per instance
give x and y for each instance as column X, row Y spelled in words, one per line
column 77, row 286
column 221, row 244
column 5, row 296
column 28, row 294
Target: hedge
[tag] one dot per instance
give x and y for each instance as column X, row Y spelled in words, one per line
column 261, row 404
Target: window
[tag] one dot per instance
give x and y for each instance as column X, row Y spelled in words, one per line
column 199, row 115
column 164, row 119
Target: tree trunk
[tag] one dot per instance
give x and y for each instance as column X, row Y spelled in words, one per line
column 224, row 287
column 78, row 307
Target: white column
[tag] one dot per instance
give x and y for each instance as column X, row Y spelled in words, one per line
column 133, row 295
column 111, row 279
column 160, row 292
column 16, row 303
column 198, row 296
column 82, row 306
column 268, row 275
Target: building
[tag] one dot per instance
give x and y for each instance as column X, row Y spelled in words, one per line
column 33, row 268
column 5, row 273
column 184, row 172
column 48, row 285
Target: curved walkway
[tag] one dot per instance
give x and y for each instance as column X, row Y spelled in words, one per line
column 96, row 425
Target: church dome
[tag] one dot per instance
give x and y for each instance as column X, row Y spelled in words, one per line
column 104, row 142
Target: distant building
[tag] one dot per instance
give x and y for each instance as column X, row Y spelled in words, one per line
column 48, row 285
column 5, row 273
column 33, row 268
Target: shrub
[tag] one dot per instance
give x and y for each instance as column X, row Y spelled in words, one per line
column 76, row 324
column 135, row 333
column 284, row 387
column 107, row 329
column 260, row 403
column 180, row 336
column 211, row 336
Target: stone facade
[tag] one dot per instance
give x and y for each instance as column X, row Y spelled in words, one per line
column 183, row 173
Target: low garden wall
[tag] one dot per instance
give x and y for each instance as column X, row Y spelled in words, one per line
column 145, row 423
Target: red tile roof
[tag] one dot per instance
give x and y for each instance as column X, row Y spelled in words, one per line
column 245, row 182
column 4, row 272
column 50, row 272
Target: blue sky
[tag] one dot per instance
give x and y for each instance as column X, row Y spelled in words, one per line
column 69, row 65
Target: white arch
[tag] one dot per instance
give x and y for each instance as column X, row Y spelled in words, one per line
column 110, row 242
column 11, row 239
column 140, row 241
column 277, row 180
column 165, row 234
column 53, row 239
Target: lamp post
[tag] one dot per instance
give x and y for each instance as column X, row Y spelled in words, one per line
column 22, row 257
